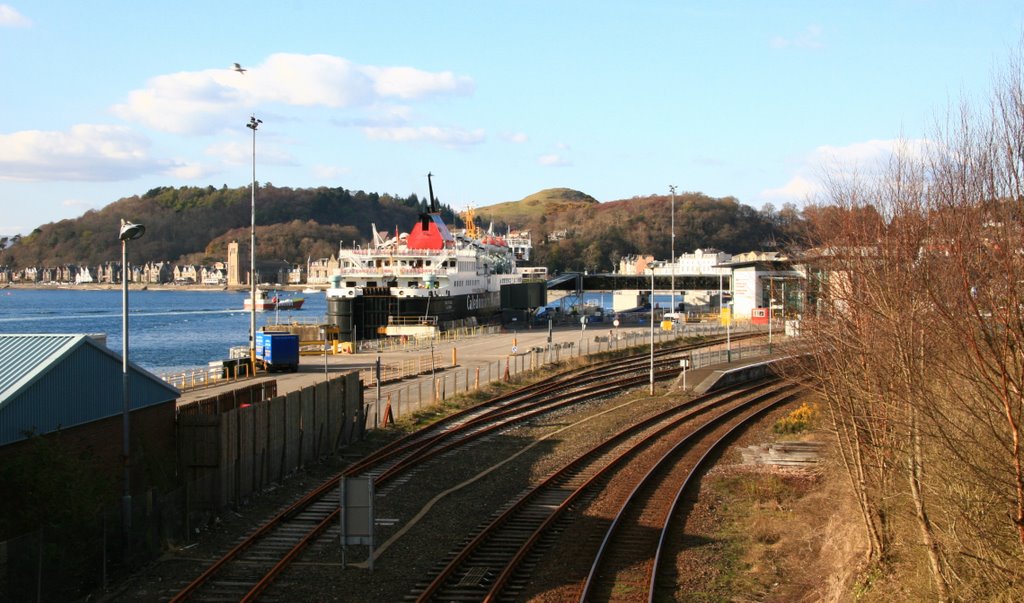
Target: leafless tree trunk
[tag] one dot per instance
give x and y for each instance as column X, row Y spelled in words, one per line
column 920, row 347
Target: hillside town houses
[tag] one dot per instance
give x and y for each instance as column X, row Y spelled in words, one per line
column 109, row 273
column 232, row 273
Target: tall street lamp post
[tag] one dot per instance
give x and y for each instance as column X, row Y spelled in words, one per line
column 672, row 188
column 129, row 232
column 252, row 125
column 652, row 330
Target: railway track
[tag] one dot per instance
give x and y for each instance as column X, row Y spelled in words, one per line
column 250, row 567
column 499, row 559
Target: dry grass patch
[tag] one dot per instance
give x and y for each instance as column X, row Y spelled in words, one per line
column 775, row 534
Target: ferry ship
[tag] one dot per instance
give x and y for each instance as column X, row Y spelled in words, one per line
column 416, row 283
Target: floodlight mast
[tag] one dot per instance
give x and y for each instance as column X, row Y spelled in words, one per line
column 253, row 125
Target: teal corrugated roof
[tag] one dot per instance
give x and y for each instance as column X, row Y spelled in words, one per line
column 51, row 382
column 23, row 358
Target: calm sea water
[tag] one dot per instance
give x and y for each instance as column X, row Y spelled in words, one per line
column 169, row 331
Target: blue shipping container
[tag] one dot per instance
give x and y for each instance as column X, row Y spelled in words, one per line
column 277, row 351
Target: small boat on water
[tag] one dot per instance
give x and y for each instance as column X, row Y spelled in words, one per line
column 291, row 303
column 266, row 302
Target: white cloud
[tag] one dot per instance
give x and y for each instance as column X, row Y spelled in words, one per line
column 865, row 159
column 85, row 153
column 190, row 170
column 810, row 38
column 454, row 137
column 203, row 101
column 517, row 137
column 407, row 82
column 330, row 172
column 797, row 189
column 10, row 17
column 553, row 159
column 869, row 154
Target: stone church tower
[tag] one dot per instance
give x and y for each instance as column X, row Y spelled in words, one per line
column 233, row 271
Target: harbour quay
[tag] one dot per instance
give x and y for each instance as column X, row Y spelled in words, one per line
column 421, row 372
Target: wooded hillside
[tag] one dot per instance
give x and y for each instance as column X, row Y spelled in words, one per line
column 191, row 223
column 571, row 232
column 195, row 225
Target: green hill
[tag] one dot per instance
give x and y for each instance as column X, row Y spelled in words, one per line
column 194, row 223
column 570, row 229
column 546, row 202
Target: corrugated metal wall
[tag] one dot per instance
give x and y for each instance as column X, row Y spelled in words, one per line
column 83, row 386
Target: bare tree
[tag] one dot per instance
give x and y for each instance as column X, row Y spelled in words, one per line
column 919, row 346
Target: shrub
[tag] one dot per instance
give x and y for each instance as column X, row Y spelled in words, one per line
column 798, row 420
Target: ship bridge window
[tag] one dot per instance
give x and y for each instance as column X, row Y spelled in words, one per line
column 371, row 283
column 350, row 283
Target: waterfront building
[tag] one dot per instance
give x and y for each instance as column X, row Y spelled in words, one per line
column 319, row 271
column 186, row 274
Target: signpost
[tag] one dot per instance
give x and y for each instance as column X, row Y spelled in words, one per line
column 356, row 502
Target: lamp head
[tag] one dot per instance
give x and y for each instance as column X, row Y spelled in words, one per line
column 130, row 231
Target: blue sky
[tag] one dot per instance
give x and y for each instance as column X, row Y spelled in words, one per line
column 105, row 99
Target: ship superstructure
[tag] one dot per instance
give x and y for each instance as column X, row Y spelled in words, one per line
column 427, row 279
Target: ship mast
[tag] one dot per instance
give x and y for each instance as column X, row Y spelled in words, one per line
column 433, row 202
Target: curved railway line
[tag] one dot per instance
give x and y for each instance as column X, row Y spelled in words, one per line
column 496, row 563
column 250, row 567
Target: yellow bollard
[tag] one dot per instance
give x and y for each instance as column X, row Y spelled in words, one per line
column 455, row 357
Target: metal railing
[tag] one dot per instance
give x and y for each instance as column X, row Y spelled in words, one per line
column 208, row 376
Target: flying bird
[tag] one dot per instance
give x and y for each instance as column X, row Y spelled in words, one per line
column 239, row 69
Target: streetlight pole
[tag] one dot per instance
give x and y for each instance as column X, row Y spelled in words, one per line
column 128, row 232
column 672, row 188
column 252, row 125
column 652, row 330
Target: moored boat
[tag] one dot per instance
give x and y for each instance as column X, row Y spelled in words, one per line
column 266, row 302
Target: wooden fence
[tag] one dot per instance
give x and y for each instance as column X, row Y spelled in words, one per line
column 237, row 444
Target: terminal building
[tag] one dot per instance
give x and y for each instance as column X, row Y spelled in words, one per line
column 704, row 282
